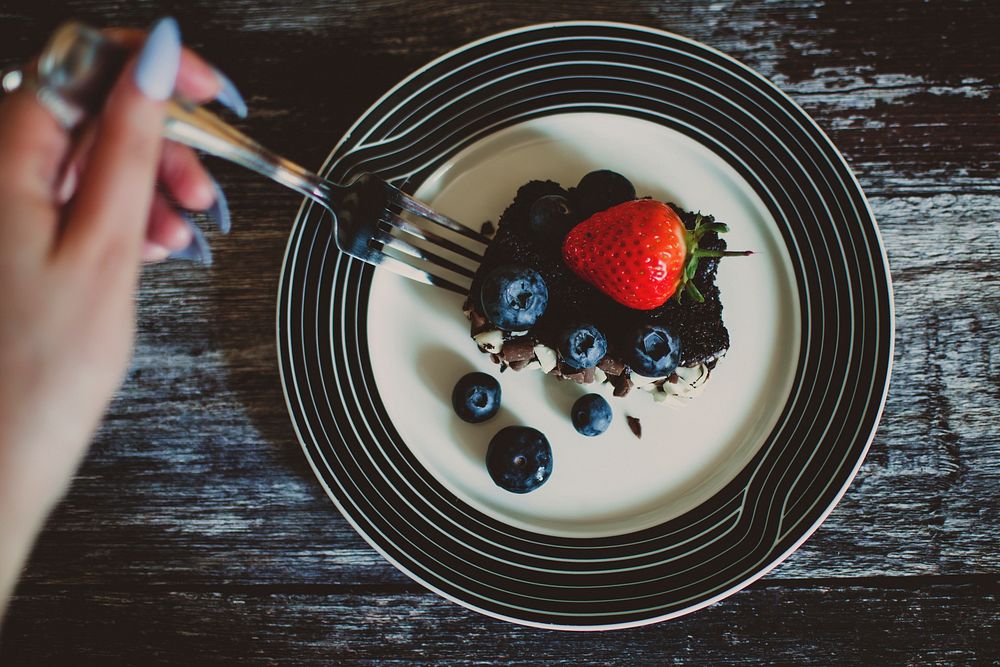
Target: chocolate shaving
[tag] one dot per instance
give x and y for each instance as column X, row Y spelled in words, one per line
column 520, row 364
column 635, row 425
column 495, row 358
column 580, row 376
column 674, row 378
column 621, row 383
column 611, row 366
column 518, row 349
column 479, row 323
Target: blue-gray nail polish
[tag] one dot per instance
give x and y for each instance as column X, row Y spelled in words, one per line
column 159, row 60
column 229, row 96
column 197, row 250
column 219, row 211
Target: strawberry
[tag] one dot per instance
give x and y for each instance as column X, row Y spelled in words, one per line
column 640, row 253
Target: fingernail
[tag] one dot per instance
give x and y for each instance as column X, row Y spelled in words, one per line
column 229, row 96
column 197, row 250
column 67, row 188
column 219, row 211
column 153, row 252
column 159, row 60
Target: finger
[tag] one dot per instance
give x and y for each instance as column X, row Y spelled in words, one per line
column 168, row 231
column 32, row 147
column 73, row 165
column 108, row 216
column 196, row 79
column 184, row 177
column 191, row 185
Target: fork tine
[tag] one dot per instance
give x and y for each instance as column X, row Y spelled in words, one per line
column 387, row 239
column 425, row 235
column 412, row 205
column 405, row 269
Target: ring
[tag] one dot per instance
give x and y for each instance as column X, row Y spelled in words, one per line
column 11, row 79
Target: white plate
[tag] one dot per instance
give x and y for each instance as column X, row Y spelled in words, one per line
column 614, row 483
column 626, row 531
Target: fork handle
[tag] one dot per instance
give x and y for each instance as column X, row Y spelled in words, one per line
column 194, row 126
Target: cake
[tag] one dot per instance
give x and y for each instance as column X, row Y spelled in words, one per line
column 563, row 314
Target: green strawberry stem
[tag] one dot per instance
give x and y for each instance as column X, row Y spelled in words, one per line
column 695, row 254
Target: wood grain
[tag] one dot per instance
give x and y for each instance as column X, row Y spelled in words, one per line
column 195, row 528
column 937, row 624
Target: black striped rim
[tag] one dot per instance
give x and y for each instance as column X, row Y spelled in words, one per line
column 799, row 472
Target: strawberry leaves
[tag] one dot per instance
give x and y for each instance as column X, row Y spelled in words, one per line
column 693, row 238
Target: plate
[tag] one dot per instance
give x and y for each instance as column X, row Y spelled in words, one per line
column 627, row 531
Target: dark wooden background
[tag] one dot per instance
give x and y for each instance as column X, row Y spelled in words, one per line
column 195, row 532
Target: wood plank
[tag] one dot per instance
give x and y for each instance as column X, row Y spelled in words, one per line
column 913, row 114
column 933, row 624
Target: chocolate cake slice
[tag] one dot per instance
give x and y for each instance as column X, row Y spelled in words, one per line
column 698, row 325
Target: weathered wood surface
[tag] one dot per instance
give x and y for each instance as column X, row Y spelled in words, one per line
column 944, row 623
column 195, row 528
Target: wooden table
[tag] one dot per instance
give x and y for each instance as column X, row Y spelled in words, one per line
column 195, row 531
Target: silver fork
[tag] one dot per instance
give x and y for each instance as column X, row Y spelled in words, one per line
column 75, row 73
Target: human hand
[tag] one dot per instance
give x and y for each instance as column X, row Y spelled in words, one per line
column 77, row 216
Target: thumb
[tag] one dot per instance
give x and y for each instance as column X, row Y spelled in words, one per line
column 108, row 217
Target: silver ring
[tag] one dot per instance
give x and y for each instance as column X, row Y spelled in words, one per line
column 11, row 79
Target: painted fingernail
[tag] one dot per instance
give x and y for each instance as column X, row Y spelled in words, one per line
column 219, row 211
column 159, row 60
column 197, row 250
column 229, row 96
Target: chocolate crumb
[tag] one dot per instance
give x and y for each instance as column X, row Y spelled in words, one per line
column 479, row 323
column 487, row 229
column 518, row 349
column 673, row 379
column 520, row 364
column 635, row 425
column 621, row 383
column 495, row 358
column 611, row 366
column 503, row 366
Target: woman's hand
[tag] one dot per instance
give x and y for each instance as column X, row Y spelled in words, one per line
column 77, row 216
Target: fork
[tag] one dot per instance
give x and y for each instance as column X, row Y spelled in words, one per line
column 373, row 220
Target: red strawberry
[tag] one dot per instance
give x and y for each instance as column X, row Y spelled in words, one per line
column 639, row 253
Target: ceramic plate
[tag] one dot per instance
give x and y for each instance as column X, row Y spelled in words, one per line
column 720, row 488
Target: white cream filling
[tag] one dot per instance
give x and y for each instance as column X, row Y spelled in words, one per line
column 489, row 341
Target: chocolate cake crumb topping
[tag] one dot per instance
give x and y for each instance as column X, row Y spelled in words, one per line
column 518, row 349
column 611, row 366
column 635, row 425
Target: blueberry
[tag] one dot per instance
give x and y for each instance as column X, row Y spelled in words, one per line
column 476, row 397
column 591, row 415
column 654, row 351
column 582, row 346
column 513, row 297
column 551, row 218
column 600, row 190
column 519, row 459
